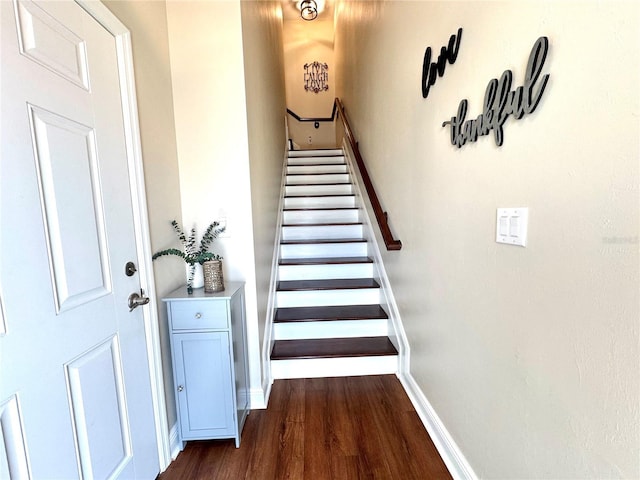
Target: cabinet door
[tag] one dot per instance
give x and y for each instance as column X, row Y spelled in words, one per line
column 203, row 379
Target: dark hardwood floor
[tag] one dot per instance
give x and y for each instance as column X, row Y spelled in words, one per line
column 317, row 429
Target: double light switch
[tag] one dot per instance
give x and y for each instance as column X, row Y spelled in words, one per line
column 511, row 226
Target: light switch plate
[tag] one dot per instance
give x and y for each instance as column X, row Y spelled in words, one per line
column 511, row 226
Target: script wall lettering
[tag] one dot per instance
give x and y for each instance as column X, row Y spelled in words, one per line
column 430, row 69
column 500, row 101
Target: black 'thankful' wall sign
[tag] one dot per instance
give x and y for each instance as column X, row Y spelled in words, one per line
column 430, row 69
column 500, row 101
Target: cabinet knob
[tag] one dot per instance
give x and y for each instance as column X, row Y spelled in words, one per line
column 198, row 315
column 180, row 388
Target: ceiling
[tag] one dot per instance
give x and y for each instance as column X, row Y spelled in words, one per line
column 291, row 12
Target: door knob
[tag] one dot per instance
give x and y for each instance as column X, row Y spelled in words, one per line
column 136, row 300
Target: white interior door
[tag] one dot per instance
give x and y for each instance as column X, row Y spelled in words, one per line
column 75, row 391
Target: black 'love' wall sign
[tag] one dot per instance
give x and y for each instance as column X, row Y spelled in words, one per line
column 431, row 69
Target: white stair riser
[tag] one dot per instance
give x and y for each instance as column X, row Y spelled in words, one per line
column 321, row 232
column 315, row 160
column 331, row 329
column 314, row 152
column 320, row 202
column 325, row 272
column 344, row 189
column 334, row 367
column 321, row 298
column 337, row 168
column 326, row 250
column 323, row 179
column 321, row 216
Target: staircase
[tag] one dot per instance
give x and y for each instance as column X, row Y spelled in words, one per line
column 328, row 319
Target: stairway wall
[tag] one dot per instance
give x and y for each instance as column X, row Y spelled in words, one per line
column 528, row 356
column 307, row 42
column 265, row 92
column 228, row 94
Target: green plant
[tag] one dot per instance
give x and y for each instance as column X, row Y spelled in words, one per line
column 192, row 253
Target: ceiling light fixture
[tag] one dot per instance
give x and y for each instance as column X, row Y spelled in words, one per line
column 308, row 10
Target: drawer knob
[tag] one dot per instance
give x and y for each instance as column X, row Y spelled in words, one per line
column 198, row 315
column 180, row 388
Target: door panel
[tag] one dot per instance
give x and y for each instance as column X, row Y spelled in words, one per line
column 74, row 373
column 13, row 448
column 73, row 217
column 49, row 42
column 96, row 393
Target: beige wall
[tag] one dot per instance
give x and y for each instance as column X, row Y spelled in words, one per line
column 528, row 355
column 265, row 91
column 148, row 25
column 228, row 90
column 205, row 43
column 306, row 42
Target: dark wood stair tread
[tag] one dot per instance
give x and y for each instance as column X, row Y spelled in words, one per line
column 322, row 241
column 316, row 150
column 317, row 195
column 323, row 184
column 315, row 209
column 324, row 260
column 332, row 348
column 334, row 312
column 315, row 173
column 332, row 224
column 322, row 149
column 331, row 284
column 317, row 164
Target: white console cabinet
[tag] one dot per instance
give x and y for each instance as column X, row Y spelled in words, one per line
column 209, row 355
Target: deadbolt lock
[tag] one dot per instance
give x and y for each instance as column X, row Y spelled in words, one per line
column 130, row 269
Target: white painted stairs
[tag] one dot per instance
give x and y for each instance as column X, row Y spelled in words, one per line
column 328, row 319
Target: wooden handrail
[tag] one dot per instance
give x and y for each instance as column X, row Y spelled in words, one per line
column 315, row 119
column 381, row 216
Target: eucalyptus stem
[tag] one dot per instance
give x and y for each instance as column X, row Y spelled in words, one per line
column 190, row 252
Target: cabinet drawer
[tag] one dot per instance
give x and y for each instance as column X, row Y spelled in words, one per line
column 195, row 315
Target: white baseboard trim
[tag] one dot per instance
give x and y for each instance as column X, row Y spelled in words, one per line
column 266, row 388
column 257, row 399
column 267, row 341
column 396, row 332
column 174, row 441
column 449, row 451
